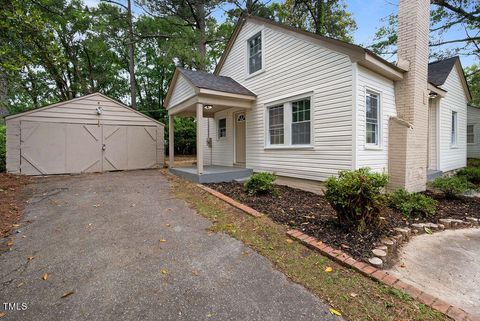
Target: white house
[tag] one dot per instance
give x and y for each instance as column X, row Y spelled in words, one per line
column 305, row 106
column 473, row 132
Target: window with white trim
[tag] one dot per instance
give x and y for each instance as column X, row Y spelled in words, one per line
column 454, row 128
column 289, row 123
column 255, row 53
column 222, row 128
column 470, row 134
column 372, row 118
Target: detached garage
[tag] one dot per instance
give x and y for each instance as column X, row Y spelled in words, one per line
column 93, row 133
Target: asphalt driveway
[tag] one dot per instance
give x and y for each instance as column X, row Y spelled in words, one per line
column 122, row 247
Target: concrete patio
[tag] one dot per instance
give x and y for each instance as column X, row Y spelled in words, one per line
column 212, row 173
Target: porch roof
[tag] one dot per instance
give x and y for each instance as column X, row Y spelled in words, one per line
column 189, row 88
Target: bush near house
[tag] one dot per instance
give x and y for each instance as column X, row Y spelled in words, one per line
column 3, row 148
column 452, row 186
column 357, row 197
column 471, row 174
column 260, row 183
column 473, row 162
column 412, row 205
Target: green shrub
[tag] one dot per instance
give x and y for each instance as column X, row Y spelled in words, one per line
column 452, row 186
column 3, row 149
column 473, row 162
column 471, row 174
column 412, row 204
column 260, row 183
column 357, row 197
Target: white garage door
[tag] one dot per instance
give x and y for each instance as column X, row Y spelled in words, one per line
column 58, row 148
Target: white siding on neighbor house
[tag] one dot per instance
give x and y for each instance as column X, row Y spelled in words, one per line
column 452, row 158
column 293, row 66
column 182, row 91
column 473, row 150
column 373, row 157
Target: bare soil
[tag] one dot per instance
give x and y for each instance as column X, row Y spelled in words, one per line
column 11, row 201
column 312, row 214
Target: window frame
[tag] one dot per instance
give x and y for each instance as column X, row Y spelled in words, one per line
column 454, row 129
column 473, row 133
column 379, row 144
column 287, row 122
column 219, row 137
column 262, row 53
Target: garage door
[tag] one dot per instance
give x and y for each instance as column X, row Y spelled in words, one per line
column 58, row 148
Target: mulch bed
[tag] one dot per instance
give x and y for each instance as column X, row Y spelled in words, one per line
column 11, row 203
column 312, row 214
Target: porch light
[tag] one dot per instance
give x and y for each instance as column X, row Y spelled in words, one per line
column 432, row 95
column 208, row 107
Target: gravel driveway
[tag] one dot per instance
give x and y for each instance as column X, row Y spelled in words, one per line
column 120, row 246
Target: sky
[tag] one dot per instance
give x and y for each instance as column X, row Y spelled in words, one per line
column 368, row 15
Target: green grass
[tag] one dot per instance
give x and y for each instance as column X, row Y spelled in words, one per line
column 355, row 296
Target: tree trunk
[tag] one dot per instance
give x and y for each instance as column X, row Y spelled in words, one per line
column 202, row 47
column 320, row 19
column 131, row 57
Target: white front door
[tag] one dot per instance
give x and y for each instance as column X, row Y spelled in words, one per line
column 240, row 141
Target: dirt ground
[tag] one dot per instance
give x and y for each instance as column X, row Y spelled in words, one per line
column 11, row 202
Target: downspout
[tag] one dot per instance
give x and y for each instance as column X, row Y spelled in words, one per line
column 354, row 114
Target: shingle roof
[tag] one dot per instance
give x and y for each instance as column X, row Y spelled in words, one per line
column 202, row 79
column 438, row 71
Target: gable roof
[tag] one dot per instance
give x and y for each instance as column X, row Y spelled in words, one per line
column 357, row 53
column 31, row 111
column 438, row 72
column 205, row 80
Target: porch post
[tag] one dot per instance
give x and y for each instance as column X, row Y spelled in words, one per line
column 199, row 139
column 171, row 138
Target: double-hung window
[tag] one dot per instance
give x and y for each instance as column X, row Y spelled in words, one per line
column 470, row 134
column 454, row 134
column 372, row 119
column 255, row 53
column 222, row 128
column 289, row 123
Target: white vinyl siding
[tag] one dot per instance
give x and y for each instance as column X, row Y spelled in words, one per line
column 182, row 91
column 375, row 157
column 454, row 101
column 294, row 66
column 474, row 120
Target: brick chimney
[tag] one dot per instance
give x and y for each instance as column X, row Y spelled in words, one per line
column 408, row 131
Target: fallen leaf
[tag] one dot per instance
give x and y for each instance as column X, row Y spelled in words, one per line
column 10, row 242
column 328, row 269
column 168, row 225
column 96, row 205
column 209, row 315
column 163, row 241
column 67, row 294
column 169, row 209
column 334, row 312
column 195, row 272
column 403, row 265
column 20, row 284
column 30, row 258
column 2, row 314
column 15, row 225
column 164, row 272
column 353, row 295
column 133, row 205
column 45, row 277
column 427, row 230
column 289, row 241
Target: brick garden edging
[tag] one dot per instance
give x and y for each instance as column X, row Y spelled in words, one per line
column 377, row 274
column 366, row 269
column 231, row 201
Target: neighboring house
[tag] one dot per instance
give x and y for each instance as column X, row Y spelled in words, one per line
column 305, row 106
column 473, row 132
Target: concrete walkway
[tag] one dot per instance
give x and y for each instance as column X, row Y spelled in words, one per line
column 129, row 250
column 445, row 265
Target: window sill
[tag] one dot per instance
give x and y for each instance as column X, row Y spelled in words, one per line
column 289, row 147
column 373, row 147
column 258, row 72
column 454, row 147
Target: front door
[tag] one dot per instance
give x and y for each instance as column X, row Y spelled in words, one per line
column 240, row 154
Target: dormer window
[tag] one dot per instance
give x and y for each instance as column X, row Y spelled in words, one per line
column 255, row 53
